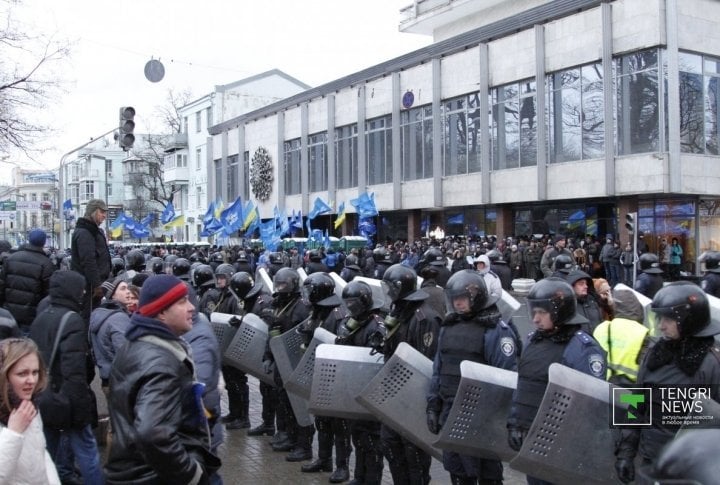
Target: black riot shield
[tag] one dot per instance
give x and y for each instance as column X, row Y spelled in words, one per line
column 224, row 332
column 477, row 423
column 341, row 373
column 247, row 348
column 397, row 396
column 300, row 381
column 570, row 440
column 287, row 349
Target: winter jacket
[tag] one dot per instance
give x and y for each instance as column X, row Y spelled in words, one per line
column 160, row 432
column 23, row 457
column 24, row 281
column 90, row 254
column 70, row 373
column 108, row 325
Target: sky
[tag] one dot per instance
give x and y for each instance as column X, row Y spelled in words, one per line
column 201, row 44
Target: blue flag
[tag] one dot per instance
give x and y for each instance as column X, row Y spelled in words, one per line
column 168, row 214
column 319, row 207
column 147, row 220
column 68, row 211
column 232, row 217
column 365, row 205
column 457, row 219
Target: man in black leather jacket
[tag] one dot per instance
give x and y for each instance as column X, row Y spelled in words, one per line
column 160, row 432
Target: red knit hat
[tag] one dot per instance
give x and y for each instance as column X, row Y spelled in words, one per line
column 159, row 292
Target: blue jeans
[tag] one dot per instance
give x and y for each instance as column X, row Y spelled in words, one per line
column 84, row 447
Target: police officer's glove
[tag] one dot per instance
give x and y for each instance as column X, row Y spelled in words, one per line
column 235, row 321
column 433, row 422
column 625, row 469
column 515, row 438
column 268, row 316
column 268, row 366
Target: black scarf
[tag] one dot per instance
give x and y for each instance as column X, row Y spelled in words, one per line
column 559, row 335
column 487, row 317
column 687, row 354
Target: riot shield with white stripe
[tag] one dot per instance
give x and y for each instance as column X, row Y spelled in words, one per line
column 508, row 305
column 266, row 280
column 339, row 283
column 300, row 381
column 247, row 348
column 303, row 275
column 287, row 350
column 341, row 373
column 570, row 440
column 224, row 332
column 397, row 396
column 477, row 423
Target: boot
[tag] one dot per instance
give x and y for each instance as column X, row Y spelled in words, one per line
column 237, row 424
column 299, row 454
column 262, row 429
column 340, row 475
column 461, row 480
column 278, row 437
column 286, row 445
column 319, row 465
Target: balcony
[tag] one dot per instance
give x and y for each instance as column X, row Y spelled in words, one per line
column 176, row 175
column 177, row 141
column 426, row 16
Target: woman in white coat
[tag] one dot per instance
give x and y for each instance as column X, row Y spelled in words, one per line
column 23, row 457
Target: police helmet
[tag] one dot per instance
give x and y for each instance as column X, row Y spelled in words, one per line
column 319, row 289
column 118, row 265
column 650, row 263
column 432, row 256
column 495, row 256
column 381, row 255
column 168, row 262
column 314, row 255
column 555, row 296
column 688, row 305
column 712, row 261
column 135, row 260
column 276, row 258
column 243, row 285
column 217, row 257
column 352, row 262
column 470, row 284
column 286, row 281
column 224, row 270
column 400, row 283
column 156, row 265
column 203, row 276
column 358, row 298
column 242, row 257
column 181, row 269
column 564, row 263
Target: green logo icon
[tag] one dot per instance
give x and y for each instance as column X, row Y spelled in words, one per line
column 632, row 400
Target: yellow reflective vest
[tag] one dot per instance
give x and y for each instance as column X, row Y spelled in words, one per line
column 622, row 339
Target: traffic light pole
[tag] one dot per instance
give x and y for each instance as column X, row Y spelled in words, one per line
column 62, row 182
column 631, row 225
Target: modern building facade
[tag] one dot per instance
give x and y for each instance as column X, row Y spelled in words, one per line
column 523, row 117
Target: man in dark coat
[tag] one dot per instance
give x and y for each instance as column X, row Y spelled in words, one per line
column 160, row 429
column 69, row 375
column 25, row 280
column 90, row 254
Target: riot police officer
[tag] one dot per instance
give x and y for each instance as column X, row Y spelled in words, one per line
column 499, row 266
column 563, row 265
column 432, row 269
column 412, row 320
column 383, row 260
column 118, row 266
column 686, row 355
column 710, row 282
column 156, row 265
column 650, row 280
column 471, row 331
column 318, row 291
column 557, row 338
column 204, row 282
column 351, row 269
column 363, row 322
column 285, row 312
column 181, row 269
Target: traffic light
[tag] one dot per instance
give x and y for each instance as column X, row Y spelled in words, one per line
column 630, row 222
column 126, row 139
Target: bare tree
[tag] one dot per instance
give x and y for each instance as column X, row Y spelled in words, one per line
column 28, row 70
column 168, row 114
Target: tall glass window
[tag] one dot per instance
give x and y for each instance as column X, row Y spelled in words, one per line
column 291, row 159
column 379, row 150
column 218, row 178
column 514, row 125
column 699, row 102
column 638, row 102
column 576, row 125
column 461, row 135
column 232, row 177
column 317, row 161
column 346, row 156
column 246, row 171
column 416, row 143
